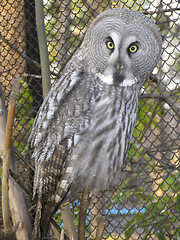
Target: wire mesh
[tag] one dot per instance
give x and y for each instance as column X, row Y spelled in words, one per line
column 146, row 205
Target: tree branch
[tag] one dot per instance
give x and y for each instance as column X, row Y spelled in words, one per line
column 82, row 214
column 20, row 183
column 62, row 235
column 24, row 56
column 69, row 226
column 16, row 201
column 44, row 56
column 6, row 156
column 101, row 226
column 166, row 96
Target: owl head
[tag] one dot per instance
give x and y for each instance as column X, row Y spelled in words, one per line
column 123, row 46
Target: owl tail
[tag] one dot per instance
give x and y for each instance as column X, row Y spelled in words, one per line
column 36, row 235
column 45, row 211
column 43, row 217
column 46, row 208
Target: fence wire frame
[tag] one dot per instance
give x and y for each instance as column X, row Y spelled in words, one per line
column 146, row 205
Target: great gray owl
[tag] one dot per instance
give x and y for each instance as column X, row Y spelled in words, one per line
column 83, row 129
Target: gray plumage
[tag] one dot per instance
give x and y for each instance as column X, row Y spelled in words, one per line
column 83, row 129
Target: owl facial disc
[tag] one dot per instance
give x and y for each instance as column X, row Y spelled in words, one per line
column 122, row 47
column 117, row 71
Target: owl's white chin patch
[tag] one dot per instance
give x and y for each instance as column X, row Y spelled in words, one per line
column 108, row 79
column 128, row 82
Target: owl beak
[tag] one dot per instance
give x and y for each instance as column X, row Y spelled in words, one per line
column 118, row 74
column 118, row 67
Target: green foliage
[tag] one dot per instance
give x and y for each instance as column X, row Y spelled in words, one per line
column 135, row 151
column 51, row 12
column 162, row 214
column 144, row 118
column 23, row 120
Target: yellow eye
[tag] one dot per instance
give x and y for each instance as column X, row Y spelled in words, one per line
column 110, row 45
column 133, row 48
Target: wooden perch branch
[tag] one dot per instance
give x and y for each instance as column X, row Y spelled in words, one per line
column 11, row 233
column 16, row 201
column 98, row 220
column 101, row 226
column 6, row 157
column 82, row 214
column 69, row 226
column 5, row 199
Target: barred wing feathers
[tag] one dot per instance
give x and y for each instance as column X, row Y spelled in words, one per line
column 64, row 116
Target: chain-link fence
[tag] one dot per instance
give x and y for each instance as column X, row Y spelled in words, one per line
column 147, row 202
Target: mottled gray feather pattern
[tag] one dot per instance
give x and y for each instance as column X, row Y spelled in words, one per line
column 82, row 132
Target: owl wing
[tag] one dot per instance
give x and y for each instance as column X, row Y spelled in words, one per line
column 64, row 115
column 52, row 104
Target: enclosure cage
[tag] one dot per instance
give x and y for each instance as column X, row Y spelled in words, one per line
column 146, row 205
